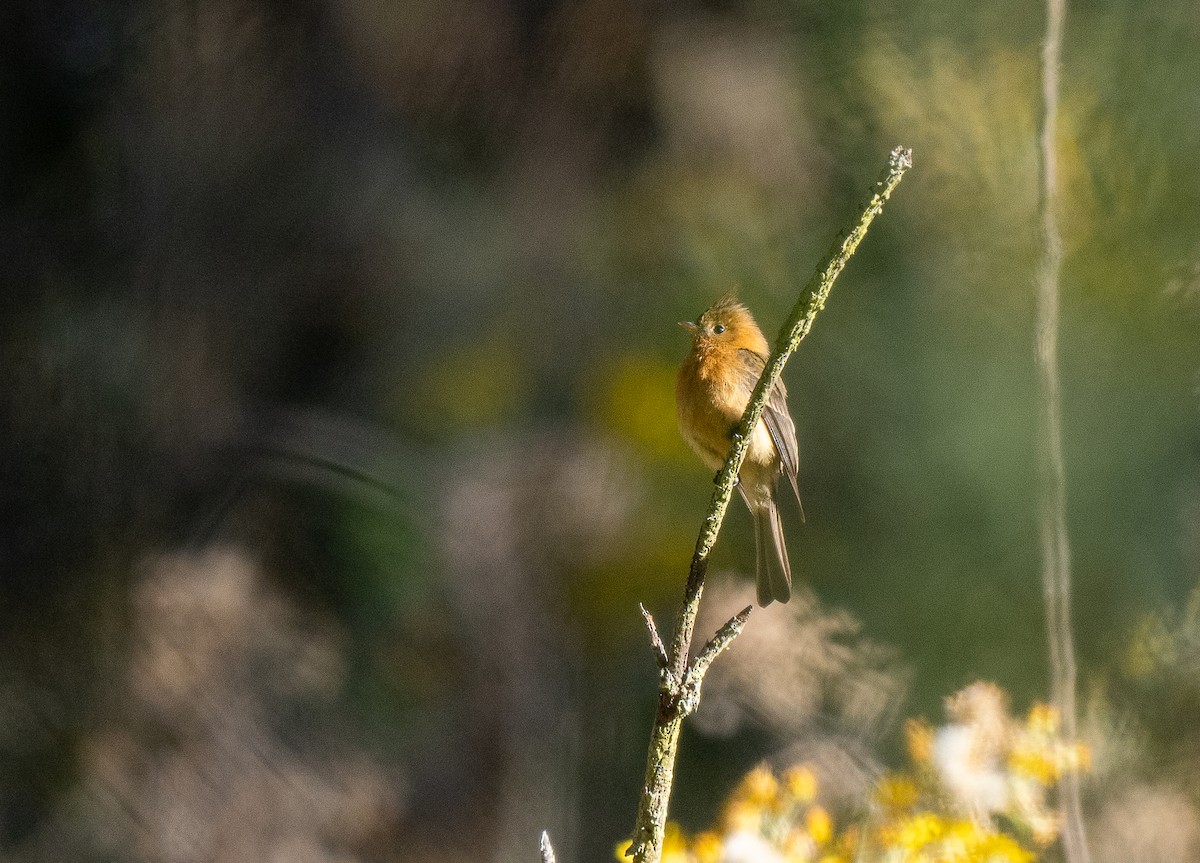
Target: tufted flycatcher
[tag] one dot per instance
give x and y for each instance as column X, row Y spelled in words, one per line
column 712, row 390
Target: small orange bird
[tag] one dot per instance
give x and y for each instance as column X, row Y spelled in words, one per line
column 711, row 393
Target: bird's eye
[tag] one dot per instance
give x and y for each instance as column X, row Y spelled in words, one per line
column 718, row 329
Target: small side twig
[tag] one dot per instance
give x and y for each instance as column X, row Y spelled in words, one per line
column 656, row 642
column 690, row 698
column 547, row 851
column 679, row 686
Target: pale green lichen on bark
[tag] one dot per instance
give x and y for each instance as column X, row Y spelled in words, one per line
column 656, row 789
column 677, row 680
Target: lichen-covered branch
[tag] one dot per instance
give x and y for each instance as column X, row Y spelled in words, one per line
column 679, row 687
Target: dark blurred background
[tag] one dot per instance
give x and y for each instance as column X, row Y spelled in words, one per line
column 338, row 441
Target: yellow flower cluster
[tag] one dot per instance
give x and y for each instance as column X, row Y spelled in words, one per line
column 779, row 811
column 982, row 763
column 769, row 818
column 1036, row 750
column 931, row 837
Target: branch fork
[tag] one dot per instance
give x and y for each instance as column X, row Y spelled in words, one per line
column 682, row 696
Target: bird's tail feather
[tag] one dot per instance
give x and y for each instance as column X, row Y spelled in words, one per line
column 774, row 572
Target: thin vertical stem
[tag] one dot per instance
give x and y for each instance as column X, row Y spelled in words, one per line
column 1056, row 549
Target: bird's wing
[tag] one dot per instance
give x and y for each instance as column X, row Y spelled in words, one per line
column 778, row 420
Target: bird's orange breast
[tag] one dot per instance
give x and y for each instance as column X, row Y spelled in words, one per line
column 711, row 395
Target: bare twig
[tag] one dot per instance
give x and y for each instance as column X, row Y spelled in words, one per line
column 547, row 851
column 690, row 698
column 673, row 700
column 656, row 642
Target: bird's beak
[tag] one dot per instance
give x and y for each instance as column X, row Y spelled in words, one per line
column 689, row 326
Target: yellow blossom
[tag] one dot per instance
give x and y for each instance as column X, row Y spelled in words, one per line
column 962, row 837
column 1045, row 829
column 1038, row 754
column 741, row 815
column 919, row 737
column 674, row 848
column 1036, row 763
column 707, row 847
column 819, row 825
column 1043, row 719
column 919, row 830
column 759, row 787
column 623, row 850
column 801, row 783
column 896, row 792
column 1000, row 848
